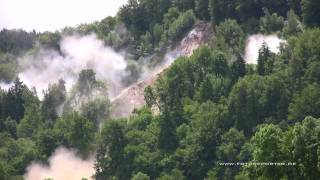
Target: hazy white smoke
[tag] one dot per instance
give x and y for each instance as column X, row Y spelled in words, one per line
column 254, row 43
column 63, row 165
column 78, row 53
column 5, row 86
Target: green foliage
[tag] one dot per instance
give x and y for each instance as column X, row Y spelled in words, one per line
column 201, row 9
column 270, row 23
column 181, row 25
column 140, row 15
column 222, row 9
column 17, row 154
column 168, row 139
column 31, row 122
column 96, row 110
column 311, row 12
column 50, row 40
column 265, row 60
column 16, row 100
column 305, row 103
column 145, row 46
column 76, row 131
column 133, row 72
column 47, row 140
column 228, row 151
column 306, row 47
column 8, row 67
column 110, row 152
column 296, row 145
column 245, row 101
column 173, row 175
column 184, row 5
column 3, row 171
column 16, row 41
column 213, row 88
column 53, row 98
column 205, row 109
column 238, row 69
column 292, row 26
column 149, row 96
column 140, row 176
column 86, row 82
column 254, row 99
column 229, row 38
column 267, row 143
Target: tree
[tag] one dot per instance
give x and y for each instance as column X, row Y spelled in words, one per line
column 238, row 69
column 228, row 151
column 229, row 38
column 271, row 22
column 306, row 48
column 16, row 41
column 205, row 90
column 293, row 25
column 14, row 101
column 173, row 175
column 135, row 17
column 86, row 81
column 209, row 62
column 246, row 102
column 214, row 11
column 3, row 171
column 181, row 25
column 305, row 144
column 213, row 88
column 220, row 10
column 248, row 9
column 298, row 144
column 96, row 110
column 265, row 60
column 149, row 96
column 46, row 142
column 11, row 127
column 80, row 132
column 110, row 151
column 305, row 103
column 184, row 5
column 8, row 67
column 53, row 98
column 311, row 12
column 268, row 144
column 140, row 176
column 31, row 122
column 274, row 6
column 201, row 9
column 167, row 139
column 312, row 74
column 18, row 154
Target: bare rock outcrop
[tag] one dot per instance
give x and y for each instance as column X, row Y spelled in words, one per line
column 133, row 96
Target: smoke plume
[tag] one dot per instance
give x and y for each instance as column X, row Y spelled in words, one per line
column 254, row 43
column 63, row 165
column 77, row 53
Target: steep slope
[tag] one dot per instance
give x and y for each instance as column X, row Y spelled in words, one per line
column 133, row 96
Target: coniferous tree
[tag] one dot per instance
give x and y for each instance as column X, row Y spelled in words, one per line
column 265, row 60
column 311, row 12
column 238, row 68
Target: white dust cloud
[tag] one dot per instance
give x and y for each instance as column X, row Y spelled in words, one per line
column 77, row 53
column 254, row 43
column 63, row 165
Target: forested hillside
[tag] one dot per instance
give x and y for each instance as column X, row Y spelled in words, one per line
column 209, row 116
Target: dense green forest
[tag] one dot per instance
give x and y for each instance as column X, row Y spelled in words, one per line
column 213, row 107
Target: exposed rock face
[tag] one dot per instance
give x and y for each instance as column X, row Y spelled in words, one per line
column 133, row 96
